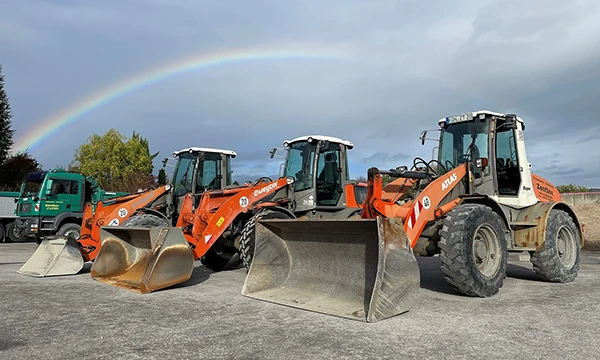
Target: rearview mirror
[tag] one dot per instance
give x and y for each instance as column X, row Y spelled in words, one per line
column 422, row 136
column 272, row 152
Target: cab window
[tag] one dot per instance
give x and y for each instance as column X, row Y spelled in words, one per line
column 68, row 187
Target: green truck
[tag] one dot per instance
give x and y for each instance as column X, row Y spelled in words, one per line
column 52, row 203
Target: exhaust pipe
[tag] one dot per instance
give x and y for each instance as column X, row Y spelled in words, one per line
column 357, row 269
column 55, row 256
column 143, row 259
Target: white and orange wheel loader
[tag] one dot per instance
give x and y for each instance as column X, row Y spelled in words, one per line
column 197, row 170
column 210, row 227
column 474, row 204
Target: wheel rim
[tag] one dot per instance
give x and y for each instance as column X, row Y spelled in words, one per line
column 73, row 234
column 565, row 246
column 486, row 251
column 18, row 234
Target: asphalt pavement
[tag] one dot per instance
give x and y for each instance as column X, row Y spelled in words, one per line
column 75, row 317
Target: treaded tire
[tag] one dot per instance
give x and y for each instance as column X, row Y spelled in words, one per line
column 248, row 233
column 547, row 262
column 69, row 228
column 145, row 220
column 216, row 261
column 12, row 236
column 458, row 257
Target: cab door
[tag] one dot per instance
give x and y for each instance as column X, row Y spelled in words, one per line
column 62, row 195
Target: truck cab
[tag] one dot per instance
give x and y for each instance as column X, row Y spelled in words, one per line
column 52, row 203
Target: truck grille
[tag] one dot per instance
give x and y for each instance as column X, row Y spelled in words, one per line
column 25, row 207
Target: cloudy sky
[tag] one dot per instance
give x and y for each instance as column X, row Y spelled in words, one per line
column 398, row 67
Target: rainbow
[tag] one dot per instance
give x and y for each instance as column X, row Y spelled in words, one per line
column 121, row 88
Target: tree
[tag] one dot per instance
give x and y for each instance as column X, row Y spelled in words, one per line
column 6, row 133
column 162, row 177
column 14, row 170
column 116, row 162
column 571, row 188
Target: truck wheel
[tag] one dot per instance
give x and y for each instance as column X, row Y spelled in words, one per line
column 558, row 259
column 69, row 230
column 248, row 233
column 145, row 220
column 473, row 250
column 14, row 234
column 2, row 232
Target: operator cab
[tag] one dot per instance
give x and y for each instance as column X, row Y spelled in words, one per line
column 319, row 166
column 493, row 143
column 200, row 169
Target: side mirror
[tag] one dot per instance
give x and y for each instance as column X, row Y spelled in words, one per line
column 511, row 121
column 164, row 162
column 481, row 163
column 422, row 137
column 272, row 152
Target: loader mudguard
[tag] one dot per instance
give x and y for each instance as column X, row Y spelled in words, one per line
column 533, row 236
column 275, row 208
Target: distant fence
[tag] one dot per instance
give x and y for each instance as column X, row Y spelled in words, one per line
column 581, row 198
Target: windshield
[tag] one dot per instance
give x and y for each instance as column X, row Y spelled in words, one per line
column 31, row 188
column 299, row 164
column 182, row 179
column 463, row 142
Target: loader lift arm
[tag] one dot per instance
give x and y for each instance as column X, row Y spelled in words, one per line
column 423, row 209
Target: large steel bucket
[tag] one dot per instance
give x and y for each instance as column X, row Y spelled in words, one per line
column 143, row 259
column 359, row 269
column 55, row 256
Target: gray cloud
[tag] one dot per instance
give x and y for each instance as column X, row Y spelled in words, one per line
column 405, row 65
column 384, row 157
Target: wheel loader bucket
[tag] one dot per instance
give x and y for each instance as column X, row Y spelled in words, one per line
column 143, row 259
column 358, row 269
column 55, row 256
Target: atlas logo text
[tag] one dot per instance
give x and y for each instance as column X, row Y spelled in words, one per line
column 448, row 181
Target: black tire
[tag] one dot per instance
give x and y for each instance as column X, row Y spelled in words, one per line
column 145, row 220
column 473, row 250
column 13, row 234
column 2, row 233
column 248, row 232
column 69, row 230
column 559, row 257
column 219, row 261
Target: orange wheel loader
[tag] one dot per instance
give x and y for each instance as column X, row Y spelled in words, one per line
column 149, row 257
column 197, row 170
column 475, row 203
